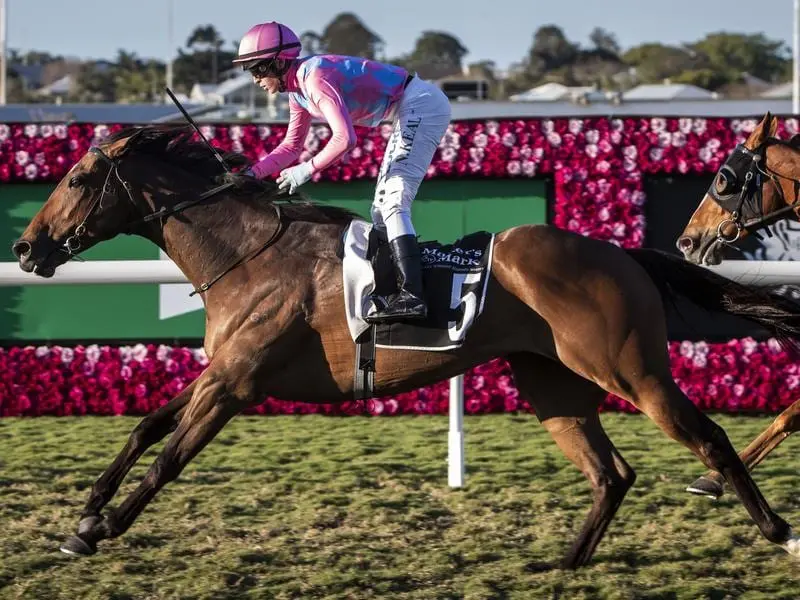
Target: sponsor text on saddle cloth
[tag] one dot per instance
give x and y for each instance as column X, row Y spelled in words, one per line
column 455, row 278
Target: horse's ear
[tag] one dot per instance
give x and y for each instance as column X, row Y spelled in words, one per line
column 794, row 141
column 767, row 128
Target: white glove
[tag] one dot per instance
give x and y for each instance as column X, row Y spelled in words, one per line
column 293, row 177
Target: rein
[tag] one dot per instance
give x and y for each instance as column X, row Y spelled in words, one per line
column 72, row 245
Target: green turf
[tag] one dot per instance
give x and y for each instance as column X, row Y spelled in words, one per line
column 322, row 507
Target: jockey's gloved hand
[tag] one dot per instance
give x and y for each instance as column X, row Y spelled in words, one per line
column 293, row 177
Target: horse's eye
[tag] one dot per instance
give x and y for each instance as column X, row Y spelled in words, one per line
column 723, row 183
column 75, row 181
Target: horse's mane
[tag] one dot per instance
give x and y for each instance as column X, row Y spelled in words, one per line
column 176, row 145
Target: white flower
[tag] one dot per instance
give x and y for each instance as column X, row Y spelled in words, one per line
column 591, row 150
column 704, row 154
column 630, row 152
column 713, row 144
column 656, row 154
column 139, row 352
column 699, row 126
column 22, row 157
column 665, row 139
column 603, row 166
column 684, row 125
column 575, row 126
column 638, row 198
column 481, row 140
column 528, row 168
column 30, row 171
column 93, row 353
column 620, row 230
column 603, row 214
column 658, row 124
column 200, row 356
column 264, row 131
column 513, row 167
column 509, row 139
column 125, row 354
column 615, row 138
column 476, row 153
column 592, row 136
column 31, row 130
column 322, row 132
column 235, row 132
column 100, row 132
column 492, row 127
column 61, row 131
column 617, row 125
column 678, row 139
column 554, row 139
column 42, row 351
column 208, row 131
column 449, row 154
column 548, row 126
column 163, row 352
column 67, row 354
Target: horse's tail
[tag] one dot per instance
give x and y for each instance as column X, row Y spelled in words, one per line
column 678, row 278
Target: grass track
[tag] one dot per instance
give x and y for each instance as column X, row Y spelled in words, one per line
column 322, row 507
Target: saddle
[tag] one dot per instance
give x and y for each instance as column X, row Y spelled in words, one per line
column 454, row 279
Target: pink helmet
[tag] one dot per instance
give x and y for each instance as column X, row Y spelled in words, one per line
column 267, row 40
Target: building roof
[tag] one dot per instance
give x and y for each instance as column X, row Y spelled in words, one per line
column 667, row 91
column 783, row 90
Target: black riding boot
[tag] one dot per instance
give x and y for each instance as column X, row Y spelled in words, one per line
column 408, row 303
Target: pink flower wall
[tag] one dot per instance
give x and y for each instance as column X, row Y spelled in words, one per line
column 598, row 165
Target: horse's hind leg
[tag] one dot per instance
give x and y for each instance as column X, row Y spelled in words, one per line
column 785, row 424
column 149, row 431
column 566, row 404
column 638, row 370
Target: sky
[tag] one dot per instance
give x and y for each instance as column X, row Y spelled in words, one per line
column 499, row 30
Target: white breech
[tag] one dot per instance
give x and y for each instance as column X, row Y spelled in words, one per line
column 422, row 120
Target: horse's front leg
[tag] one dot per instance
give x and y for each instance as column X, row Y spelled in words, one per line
column 217, row 398
column 149, row 431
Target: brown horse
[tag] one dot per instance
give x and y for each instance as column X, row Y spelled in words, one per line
column 757, row 185
column 575, row 317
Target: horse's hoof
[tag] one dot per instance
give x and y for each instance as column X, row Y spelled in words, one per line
column 77, row 546
column 792, row 545
column 703, row 486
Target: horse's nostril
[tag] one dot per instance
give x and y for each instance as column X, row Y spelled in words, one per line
column 21, row 248
column 685, row 243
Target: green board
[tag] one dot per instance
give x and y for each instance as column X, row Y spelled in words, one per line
column 444, row 210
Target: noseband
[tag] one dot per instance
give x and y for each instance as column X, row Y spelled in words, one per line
column 746, row 206
column 73, row 245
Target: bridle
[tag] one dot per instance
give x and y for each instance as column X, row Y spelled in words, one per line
column 72, row 244
column 746, row 207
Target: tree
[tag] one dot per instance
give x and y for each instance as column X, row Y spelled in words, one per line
column 207, row 37
column 604, row 41
column 654, row 62
column 312, row 43
column 738, row 53
column 551, row 50
column 436, row 54
column 347, row 35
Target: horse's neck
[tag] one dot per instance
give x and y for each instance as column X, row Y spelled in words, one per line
column 206, row 239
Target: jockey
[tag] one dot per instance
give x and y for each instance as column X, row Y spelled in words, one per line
column 345, row 91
